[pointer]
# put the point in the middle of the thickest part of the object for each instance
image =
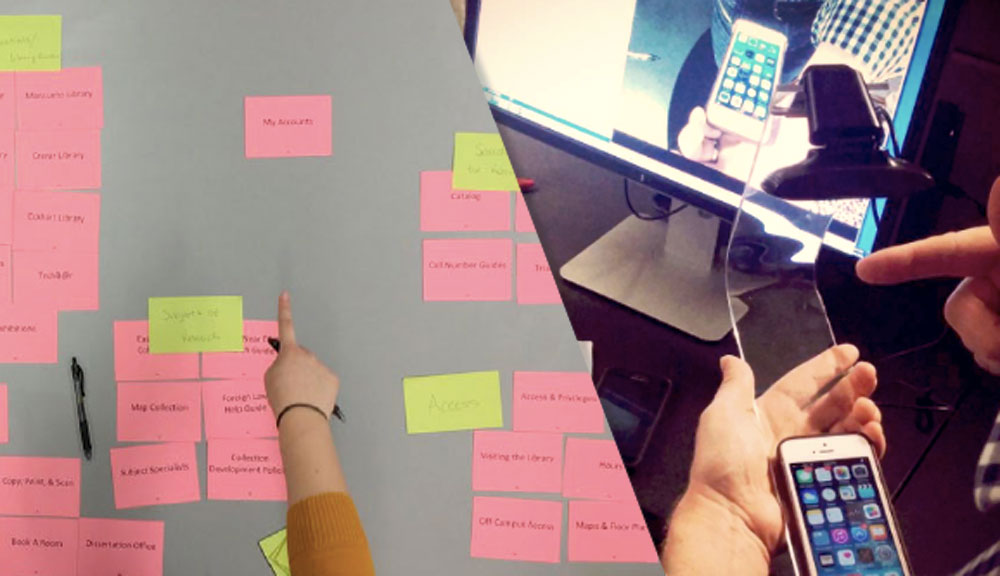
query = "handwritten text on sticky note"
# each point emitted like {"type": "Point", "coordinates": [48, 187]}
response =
{"type": "Point", "coordinates": [481, 163]}
{"type": "Point", "coordinates": [196, 324]}
{"type": "Point", "coordinates": [31, 42]}
{"type": "Point", "coordinates": [453, 402]}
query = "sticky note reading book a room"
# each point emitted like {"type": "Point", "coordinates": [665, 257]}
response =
{"type": "Point", "coordinates": [481, 163]}
{"type": "Point", "coordinates": [196, 324]}
{"type": "Point", "coordinates": [30, 42]}
{"type": "Point", "coordinates": [452, 402]}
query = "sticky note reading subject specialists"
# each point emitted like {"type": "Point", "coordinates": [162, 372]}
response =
{"type": "Point", "coordinates": [237, 409]}
{"type": "Point", "coordinates": [134, 362]}
{"type": "Point", "coordinates": [155, 474]}
{"type": "Point", "coordinates": [594, 470]}
{"type": "Point", "coordinates": [28, 335]}
{"type": "Point", "coordinates": [70, 99]}
{"type": "Point", "coordinates": [286, 126]}
{"type": "Point", "coordinates": [256, 357]}
{"type": "Point", "coordinates": [245, 470]}
{"type": "Point", "coordinates": [38, 546]}
{"type": "Point", "coordinates": [66, 221]}
{"type": "Point", "coordinates": [451, 402]}
{"type": "Point", "coordinates": [39, 486]}
{"type": "Point", "coordinates": [609, 532]}
{"type": "Point", "coordinates": [516, 529]}
{"type": "Point", "coordinates": [196, 324]}
{"type": "Point", "coordinates": [444, 209]}
{"type": "Point", "coordinates": [556, 402]}
{"type": "Point", "coordinates": [504, 461]}
{"type": "Point", "coordinates": [31, 42]}
{"type": "Point", "coordinates": [475, 270]}
{"type": "Point", "coordinates": [120, 547]}
{"type": "Point", "coordinates": [63, 160]}
{"type": "Point", "coordinates": [159, 412]}
{"type": "Point", "coordinates": [481, 163]}
{"type": "Point", "coordinates": [535, 283]}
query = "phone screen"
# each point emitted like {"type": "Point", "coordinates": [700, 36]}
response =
{"type": "Point", "coordinates": [748, 77]}
{"type": "Point", "coordinates": [842, 511]}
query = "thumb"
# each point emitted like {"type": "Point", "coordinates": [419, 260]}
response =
{"type": "Point", "coordinates": [737, 388]}
{"type": "Point", "coordinates": [993, 209]}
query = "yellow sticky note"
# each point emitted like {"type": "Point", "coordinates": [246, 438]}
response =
{"type": "Point", "coordinates": [452, 402]}
{"type": "Point", "coordinates": [481, 163]}
{"type": "Point", "coordinates": [196, 324]}
{"type": "Point", "coordinates": [275, 549]}
{"type": "Point", "coordinates": [30, 43]}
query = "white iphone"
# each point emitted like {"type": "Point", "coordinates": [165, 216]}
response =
{"type": "Point", "coordinates": [740, 100]}
{"type": "Point", "coordinates": [838, 515]}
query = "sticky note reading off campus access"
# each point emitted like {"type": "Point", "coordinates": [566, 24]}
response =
{"type": "Point", "coordinates": [245, 470]}
{"type": "Point", "coordinates": [535, 283]}
{"type": "Point", "coordinates": [481, 163]}
{"type": "Point", "coordinates": [451, 402]}
{"type": "Point", "coordinates": [609, 532]}
{"type": "Point", "coordinates": [134, 362]}
{"type": "Point", "coordinates": [445, 209]}
{"type": "Point", "coordinates": [594, 470]}
{"type": "Point", "coordinates": [60, 280]}
{"type": "Point", "coordinates": [196, 324]}
{"type": "Point", "coordinates": [237, 409]}
{"type": "Point", "coordinates": [286, 126]}
{"type": "Point", "coordinates": [67, 221]}
{"type": "Point", "coordinates": [38, 546]}
{"type": "Point", "coordinates": [28, 335]}
{"type": "Point", "coordinates": [155, 474]}
{"type": "Point", "coordinates": [256, 357]}
{"type": "Point", "coordinates": [556, 402]}
{"type": "Point", "coordinates": [505, 461]}
{"type": "Point", "coordinates": [474, 270]}
{"type": "Point", "coordinates": [39, 486]}
{"type": "Point", "coordinates": [159, 412]}
{"type": "Point", "coordinates": [120, 547]}
{"type": "Point", "coordinates": [59, 160]}
{"type": "Point", "coordinates": [516, 529]}
{"type": "Point", "coordinates": [31, 42]}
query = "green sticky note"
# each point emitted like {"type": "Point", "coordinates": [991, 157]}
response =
{"type": "Point", "coordinates": [481, 163]}
{"type": "Point", "coordinates": [452, 402]}
{"type": "Point", "coordinates": [30, 43]}
{"type": "Point", "coordinates": [275, 549]}
{"type": "Point", "coordinates": [196, 324]}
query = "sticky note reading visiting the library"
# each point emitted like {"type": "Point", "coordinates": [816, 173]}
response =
{"type": "Point", "coordinates": [481, 163]}
{"type": "Point", "coordinates": [30, 43]}
{"type": "Point", "coordinates": [453, 402]}
{"type": "Point", "coordinates": [196, 324]}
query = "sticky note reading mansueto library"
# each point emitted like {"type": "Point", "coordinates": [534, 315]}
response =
{"type": "Point", "coordinates": [196, 324]}
{"type": "Point", "coordinates": [480, 163]}
{"type": "Point", "coordinates": [32, 42]}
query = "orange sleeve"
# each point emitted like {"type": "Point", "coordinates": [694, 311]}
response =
{"type": "Point", "coordinates": [325, 538]}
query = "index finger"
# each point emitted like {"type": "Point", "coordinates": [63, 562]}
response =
{"type": "Point", "coordinates": [286, 328]}
{"type": "Point", "coordinates": [971, 252]}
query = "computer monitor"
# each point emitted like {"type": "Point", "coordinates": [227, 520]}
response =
{"type": "Point", "coordinates": [617, 80]}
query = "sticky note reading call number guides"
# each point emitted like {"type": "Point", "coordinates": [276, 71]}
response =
{"type": "Point", "coordinates": [481, 163]}
{"type": "Point", "coordinates": [196, 324]}
{"type": "Point", "coordinates": [30, 42]}
{"type": "Point", "coordinates": [452, 402]}
{"type": "Point", "coordinates": [515, 529]}
{"type": "Point", "coordinates": [475, 270]}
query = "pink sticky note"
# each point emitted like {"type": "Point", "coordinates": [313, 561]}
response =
{"type": "Point", "coordinates": [155, 474]}
{"type": "Point", "coordinates": [65, 160]}
{"type": "Point", "coordinates": [516, 529]}
{"type": "Point", "coordinates": [5, 276]}
{"type": "Point", "coordinates": [443, 209]}
{"type": "Point", "coordinates": [253, 362]}
{"type": "Point", "coordinates": [535, 283]}
{"type": "Point", "coordinates": [120, 547]}
{"type": "Point", "coordinates": [594, 470]}
{"type": "Point", "coordinates": [68, 221]}
{"type": "Point", "coordinates": [67, 99]}
{"type": "Point", "coordinates": [159, 412]}
{"type": "Point", "coordinates": [7, 160]}
{"type": "Point", "coordinates": [60, 280]}
{"type": "Point", "coordinates": [38, 546]}
{"type": "Point", "coordinates": [6, 213]}
{"type": "Point", "coordinates": [504, 461]}
{"type": "Point", "coordinates": [522, 218]}
{"type": "Point", "coordinates": [28, 335]}
{"type": "Point", "coordinates": [556, 402]}
{"type": "Point", "coordinates": [285, 126]}
{"type": "Point", "coordinates": [237, 409]}
{"type": "Point", "coordinates": [245, 470]}
{"type": "Point", "coordinates": [609, 532]}
{"type": "Point", "coordinates": [8, 117]}
{"type": "Point", "coordinates": [134, 362]}
{"type": "Point", "coordinates": [467, 270]}
{"type": "Point", "coordinates": [39, 486]}
{"type": "Point", "coordinates": [4, 416]}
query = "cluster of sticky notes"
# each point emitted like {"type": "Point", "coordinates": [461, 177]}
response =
{"type": "Point", "coordinates": [275, 550]}
{"type": "Point", "coordinates": [162, 399]}
{"type": "Point", "coordinates": [50, 151]}
{"type": "Point", "coordinates": [288, 126]}
{"type": "Point", "coordinates": [41, 531]}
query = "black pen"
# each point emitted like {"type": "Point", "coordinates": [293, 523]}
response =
{"type": "Point", "coordinates": [81, 412]}
{"type": "Point", "coordinates": [276, 344]}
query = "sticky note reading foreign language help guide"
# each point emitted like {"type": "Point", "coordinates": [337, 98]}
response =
{"type": "Point", "coordinates": [196, 324]}
{"type": "Point", "coordinates": [481, 163]}
{"type": "Point", "coordinates": [30, 42]}
{"type": "Point", "coordinates": [287, 126]}
{"type": "Point", "coordinates": [237, 409]}
{"type": "Point", "coordinates": [451, 402]}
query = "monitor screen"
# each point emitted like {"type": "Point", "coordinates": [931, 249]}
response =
{"type": "Point", "coordinates": [675, 88]}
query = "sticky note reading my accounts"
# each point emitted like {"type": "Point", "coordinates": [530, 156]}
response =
{"type": "Point", "coordinates": [594, 470]}
{"type": "Point", "coordinates": [155, 474]}
{"type": "Point", "coordinates": [196, 324]}
{"type": "Point", "coordinates": [69, 99]}
{"type": "Point", "coordinates": [28, 335]}
{"type": "Point", "coordinates": [134, 362]}
{"type": "Point", "coordinates": [59, 160]}
{"type": "Point", "coordinates": [61, 280]}
{"type": "Point", "coordinates": [445, 209]}
{"type": "Point", "coordinates": [120, 547]}
{"type": "Point", "coordinates": [609, 532]}
{"type": "Point", "coordinates": [159, 412]}
{"type": "Point", "coordinates": [450, 402]}
{"type": "Point", "coordinates": [481, 163]}
{"type": "Point", "coordinates": [504, 461]}
{"type": "Point", "coordinates": [43, 546]}
{"type": "Point", "coordinates": [4, 416]}
{"type": "Point", "coordinates": [475, 270]}
{"type": "Point", "coordinates": [67, 221]}
{"type": "Point", "coordinates": [39, 486]}
{"type": "Point", "coordinates": [256, 357]}
{"type": "Point", "coordinates": [245, 470]}
{"type": "Point", "coordinates": [31, 42]}
{"type": "Point", "coordinates": [275, 549]}
{"type": "Point", "coordinates": [286, 126]}
{"type": "Point", "coordinates": [535, 283]}
{"type": "Point", "coordinates": [522, 218]}
{"type": "Point", "coordinates": [556, 402]}
{"type": "Point", "coordinates": [237, 409]}
{"type": "Point", "coordinates": [516, 529]}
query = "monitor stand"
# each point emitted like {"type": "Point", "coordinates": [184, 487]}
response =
{"type": "Point", "coordinates": [670, 270]}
